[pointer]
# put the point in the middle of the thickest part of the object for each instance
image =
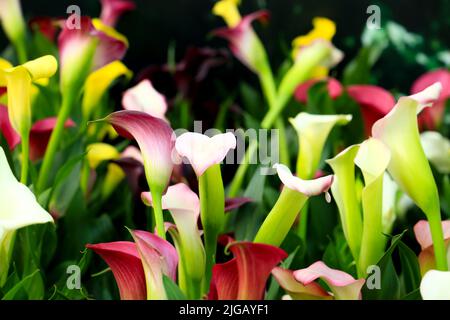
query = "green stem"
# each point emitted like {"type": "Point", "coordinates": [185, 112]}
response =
{"type": "Point", "coordinates": [212, 208]}
{"type": "Point", "coordinates": [21, 50]}
{"type": "Point", "coordinates": [303, 222]}
{"type": "Point", "coordinates": [239, 176]}
{"type": "Point", "coordinates": [25, 158]}
{"type": "Point", "coordinates": [158, 212]}
{"type": "Point", "coordinates": [437, 235]}
{"type": "Point", "coordinates": [281, 218]}
{"type": "Point", "coordinates": [55, 140]}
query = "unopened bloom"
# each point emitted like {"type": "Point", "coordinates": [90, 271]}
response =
{"type": "Point", "coordinates": [13, 23]}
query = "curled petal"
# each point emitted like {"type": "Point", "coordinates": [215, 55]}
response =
{"type": "Point", "coordinates": [295, 289]}
{"type": "Point", "coordinates": [435, 285]}
{"type": "Point", "coordinates": [252, 263]}
{"type": "Point", "coordinates": [144, 97]}
{"type": "Point", "coordinates": [155, 139]}
{"type": "Point", "coordinates": [306, 187]}
{"type": "Point", "coordinates": [375, 102]}
{"type": "Point", "coordinates": [334, 88]}
{"type": "Point", "coordinates": [423, 233]}
{"type": "Point", "coordinates": [123, 259]}
{"type": "Point", "coordinates": [203, 151]}
{"type": "Point", "coordinates": [113, 9]}
{"type": "Point", "coordinates": [343, 285]}
{"type": "Point", "coordinates": [437, 150]}
{"type": "Point", "coordinates": [40, 135]}
{"type": "Point", "coordinates": [6, 129]}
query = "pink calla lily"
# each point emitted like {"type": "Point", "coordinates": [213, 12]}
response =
{"type": "Point", "coordinates": [244, 43]}
{"type": "Point", "coordinates": [423, 237]}
{"type": "Point", "coordinates": [144, 97]}
{"type": "Point", "coordinates": [6, 129]}
{"type": "Point", "coordinates": [113, 9]}
{"type": "Point", "coordinates": [155, 139]}
{"type": "Point", "coordinates": [124, 260]}
{"type": "Point", "coordinates": [334, 88]}
{"type": "Point", "coordinates": [203, 151]}
{"type": "Point", "coordinates": [245, 276]}
{"type": "Point", "coordinates": [342, 285]}
{"type": "Point", "coordinates": [431, 118]}
{"type": "Point", "coordinates": [375, 102]}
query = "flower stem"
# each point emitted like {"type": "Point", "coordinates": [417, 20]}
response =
{"type": "Point", "coordinates": [55, 140]}
{"type": "Point", "coordinates": [303, 222]}
{"type": "Point", "coordinates": [158, 212]}
{"type": "Point", "coordinates": [437, 235]}
{"type": "Point", "coordinates": [25, 158]}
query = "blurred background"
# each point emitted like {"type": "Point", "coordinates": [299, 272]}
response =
{"type": "Point", "coordinates": [158, 25]}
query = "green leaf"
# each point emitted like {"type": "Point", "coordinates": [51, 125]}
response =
{"type": "Point", "coordinates": [274, 287]}
{"type": "Point", "coordinates": [20, 287]}
{"type": "Point", "coordinates": [172, 290]}
{"type": "Point", "coordinates": [410, 275]}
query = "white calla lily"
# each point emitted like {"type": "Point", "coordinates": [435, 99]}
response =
{"type": "Point", "coordinates": [435, 285]}
{"type": "Point", "coordinates": [437, 150]}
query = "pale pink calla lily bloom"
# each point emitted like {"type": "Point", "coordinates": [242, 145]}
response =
{"type": "Point", "coordinates": [144, 97]}
{"type": "Point", "coordinates": [113, 9]}
{"type": "Point", "coordinates": [155, 139]}
{"type": "Point", "coordinates": [307, 187]}
{"type": "Point", "coordinates": [342, 285]}
{"type": "Point", "coordinates": [203, 151]}
{"type": "Point", "coordinates": [432, 117]}
{"type": "Point", "coordinates": [184, 205]}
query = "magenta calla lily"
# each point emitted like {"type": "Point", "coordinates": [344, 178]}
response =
{"type": "Point", "coordinates": [113, 9]}
{"type": "Point", "coordinates": [144, 97]}
{"type": "Point", "coordinates": [375, 102]}
{"type": "Point", "coordinates": [342, 285]}
{"type": "Point", "coordinates": [245, 276]}
{"type": "Point", "coordinates": [6, 129]}
{"type": "Point", "coordinates": [124, 260]}
{"type": "Point", "coordinates": [431, 118]}
{"type": "Point", "coordinates": [333, 86]}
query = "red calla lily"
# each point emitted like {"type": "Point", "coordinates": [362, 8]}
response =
{"type": "Point", "coordinates": [113, 9]}
{"type": "Point", "coordinates": [124, 260]}
{"type": "Point", "coordinates": [375, 102]}
{"type": "Point", "coordinates": [245, 276]}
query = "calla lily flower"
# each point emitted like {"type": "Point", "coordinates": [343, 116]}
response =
{"type": "Point", "coordinates": [205, 155]}
{"type": "Point", "coordinates": [312, 131]}
{"type": "Point", "coordinates": [13, 23]}
{"type": "Point", "coordinates": [437, 150]}
{"type": "Point", "coordinates": [334, 88]}
{"type": "Point", "coordinates": [435, 285]}
{"type": "Point", "coordinates": [91, 47]}
{"type": "Point", "coordinates": [342, 285]}
{"type": "Point", "coordinates": [245, 276]}
{"type": "Point", "coordinates": [6, 129]}
{"type": "Point", "coordinates": [144, 97]}
{"type": "Point", "coordinates": [99, 152]}
{"type": "Point", "coordinates": [45, 25]}
{"type": "Point", "coordinates": [295, 289]}
{"type": "Point", "coordinates": [158, 257]}
{"type": "Point", "coordinates": [113, 9]}
{"type": "Point", "coordinates": [422, 232]}
{"type": "Point", "coordinates": [398, 130]}
{"type": "Point", "coordinates": [431, 118]}
{"type": "Point", "coordinates": [139, 267]}
{"type": "Point", "coordinates": [372, 158]}
{"type": "Point", "coordinates": [156, 141]}
{"type": "Point", "coordinates": [291, 200]}
{"type": "Point", "coordinates": [98, 82]}
{"type": "Point", "coordinates": [324, 29]}
{"type": "Point", "coordinates": [244, 43]}
{"type": "Point", "coordinates": [375, 102]}
{"type": "Point", "coordinates": [19, 209]}
{"type": "Point", "coordinates": [184, 206]}
{"type": "Point", "coordinates": [124, 260]}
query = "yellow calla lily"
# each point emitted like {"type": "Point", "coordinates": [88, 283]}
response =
{"type": "Point", "coordinates": [4, 64]}
{"type": "Point", "coordinates": [114, 175]}
{"type": "Point", "coordinates": [109, 31]}
{"type": "Point", "coordinates": [98, 82]}
{"type": "Point", "coordinates": [227, 9]}
{"type": "Point", "coordinates": [99, 152]}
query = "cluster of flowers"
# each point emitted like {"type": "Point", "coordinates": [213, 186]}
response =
{"type": "Point", "coordinates": [395, 156]}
